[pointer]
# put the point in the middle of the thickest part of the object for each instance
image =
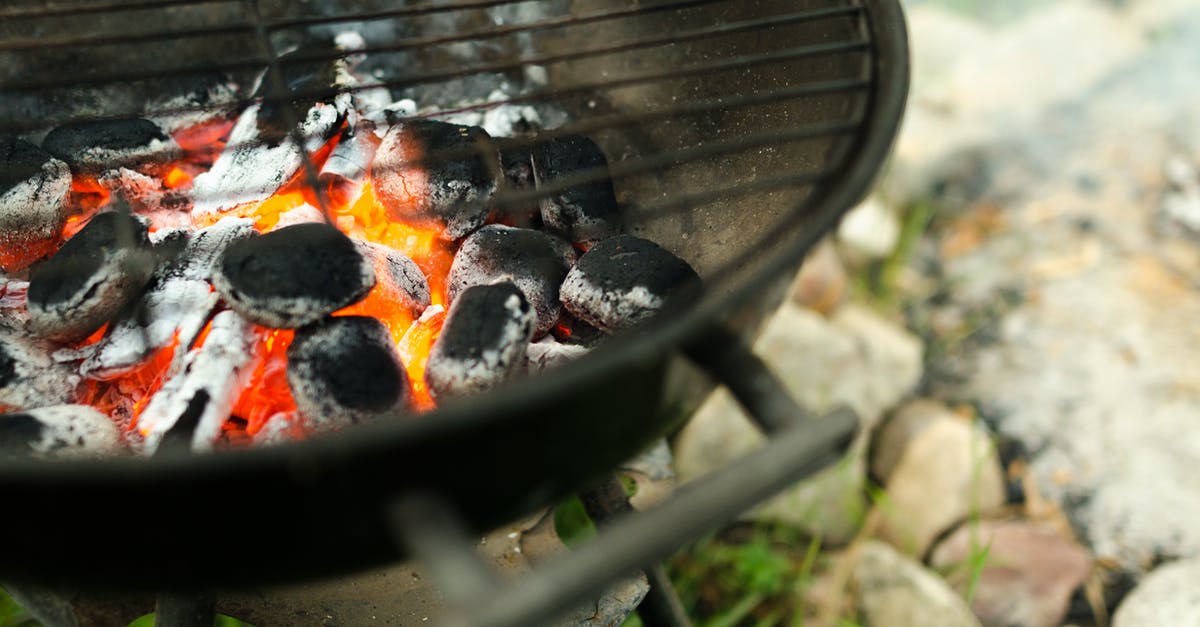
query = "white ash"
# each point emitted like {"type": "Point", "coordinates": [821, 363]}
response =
{"type": "Point", "coordinates": [90, 279]}
{"type": "Point", "coordinates": [29, 377]}
{"type": "Point", "coordinates": [196, 399]}
{"type": "Point", "coordinates": [280, 428]}
{"type": "Point", "coordinates": [346, 169]}
{"type": "Point", "coordinates": [345, 370]}
{"type": "Point", "coordinates": [293, 276]}
{"type": "Point", "coordinates": [59, 432]}
{"type": "Point", "coordinates": [548, 353]}
{"type": "Point", "coordinates": [178, 112]}
{"type": "Point", "coordinates": [147, 196]}
{"type": "Point", "coordinates": [536, 262]}
{"type": "Point", "coordinates": [500, 120]}
{"type": "Point", "coordinates": [13, 293]}
{"type": "Point", "coordinates": [483, 341]}
{"type": "Point", "coordinates": [398, 276]}
{"type": "Point", "coordinates": [251, 171]}
{"type": "Point", "coordinates": [304, 214]}
{"type": "Point", "coordinates": [33, 209]}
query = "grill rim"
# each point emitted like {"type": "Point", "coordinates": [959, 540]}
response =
{"type": "Point", "coordinates": [666, 337]}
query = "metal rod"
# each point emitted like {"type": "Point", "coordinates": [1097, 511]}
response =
{"type": "Point", "coordinates": [633, 542]}
{"type": "Point", "coordinates": [93, 7]}
{"type": "Point", "coordinates": [661, 607]}
{"type": "Point", "coordinates": [184, 610]}
{"type": "Point", "coordinates": [430, 530]}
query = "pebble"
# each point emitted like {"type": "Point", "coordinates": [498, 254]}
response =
{"type": "Point", "coordinates": [1167, 596]}
{"type": "Point", "coordinates": [869, 231]}
{"type": "Point", "coordinates": [1029, 572]}
{"type": "Point", "coordinates": [937, 469]}
{"type": "Point", "coordinates": [896, 591]}
{"type": "Point", "coordinates": [821, 284]}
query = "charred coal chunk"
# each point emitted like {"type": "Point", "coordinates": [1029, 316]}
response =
{"type": "Point", "coordinates": [535, 262]}
{"type": "Point", "coordinates": [293, 276]}
{"type": "Point", "coordinates": [33, 193]}
{"type": "Point", "coordinates": [90, 279]}
{"type": "Point", "coordinates": [585, 213]}
{"type": "Point", "coordinates": [483, 342]}
{"type": "Point", "coordinates": [572, 330]}
{"type": "Point", "coordinates": [435, 172]}
{"type": "Point", "coordinates": [29, 377]}
{"type": "Point", "coordinates": [95, 146]}
{"type": "Point", "coordinates": [62, 431]}
{"type": "Point", "coordinates": [399, 276]}
{"type": "Point", "coordinates": [344, 370]}
{"type": "Point", "coordinates": [624, 281]}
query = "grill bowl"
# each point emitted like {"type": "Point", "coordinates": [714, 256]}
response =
{"type": "Point", "coordinates": [739, 131]}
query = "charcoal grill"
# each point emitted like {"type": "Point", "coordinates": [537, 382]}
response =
{"type": "Point", "coordinates": [739, 132]}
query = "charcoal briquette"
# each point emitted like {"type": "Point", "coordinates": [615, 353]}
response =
{"type": "Point", "coordinates": [584, 213]}
{"type": "Point", "coordinates": [344, 370]}
{"type": "Point", "coordinates": [91, 278]}
{"type": "Point", "coordinates": [534, 261]}
{"type": "Point", "coordinates": [95, 146]}
{"type": "Point", "coordinates": [483, 341]}
{"type": "Point", "coordinates": [435, 172]}
{"type": "Point", "coordinates": [398, 275]}
{"type": "Point", "coordinates": [61, 431]}
{"type": "Point", "coordinates": [293, 276]}
{"type": "Point", "coordinates": [624, 281]}
{"type": "Point", "coordinates": [33, 193]}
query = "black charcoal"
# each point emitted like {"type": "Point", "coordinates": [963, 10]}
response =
{"type": "Point", "coordinates": [95, 275]}
{"type": "Point", "coordinates": [585, 213]}
{"type": "Point", "coordinates": [96, 146]}
{"type": "Point", "coordinates": [624, 281]}
{"type": "Point", "coordinates": [419, 176]}
{"type": "Point", "coordinates": [572, 330]}
{"type": "Point", "coordinates": [398, 276]}
{"type": "Point", "coordinates": [548, 353]}
{"type": "Point", "coordinates": [61, 431]}
{"type": "Point", "coordinates": [535, 262]}
{"type": "Point", "coordinates": [345, 370]}
{"type": "Point", "coordinates": [29, 377]}
{"type": "Point", "coordinates": [483, 341]}
{"type": "Point", "coordinates": [175, 306]}
{"type": "Point", "coordinates": [293, 276]}
{"type": "Point", "coordinates": [195, 400]}
{"type": "Point", "coordinates": [250, 169]}
{"type": "Point", "coordinates": [33, 193]}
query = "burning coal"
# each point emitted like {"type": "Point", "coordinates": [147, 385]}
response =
{"type": "Point", "coordinates": [262, 276]}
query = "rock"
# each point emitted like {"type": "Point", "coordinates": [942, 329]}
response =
{"type": "Point", "coordinates": [869, 231]}
{"type": "Point", "coordinates": [937, 469]}
{"type": "Point", "coordinates": [856, 359]}
{"type": "Point", "coordinates": [821, 284]}
{"type": "Point", "coordinates": [895, 591]}
{"type": "Point", "coordinates": [1167, 596]}
{"type": "Point", "coordinates": [1029, 571]}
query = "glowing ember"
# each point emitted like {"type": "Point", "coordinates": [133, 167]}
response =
{"type": "Point", "coordinates": [414, 348]}
{"type": "Point", "coordinates": [267, 393]}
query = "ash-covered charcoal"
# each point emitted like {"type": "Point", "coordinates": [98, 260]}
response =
{"type": "Point", "coordinates": [29, 377]}
{"type": "Point", "coordinates": [303, 214]}
{"type": "Point", "coordinates": [584, 213]}
{"type": "Point", "coordinates": [95, 146]}
{"type": "Point", "coordinates": [190, 407]}
{"type": "Point", "coordinates": [483, 341]}
{"type": "Point", "coordinates": [175, 306]}
{"type": "Point", "coordinates": [251, 169]}
{"type": "Point", "coordinates": [399, 277]}
{"type": "Point", "coordinates": [344, 370]}
{"type": "Point", "coordinates": [624, 281]}
{"type": "Point", "coordinates": [572, 330]}
{"type": "Point", "coordinates": [146, 195]}
{"type": "Point", "coordinates": [536, 262]}
{"type": "Point", "coordinates": [33, 193]}
{"type": "Point", "coordinates": [419, 176]}
{"type": "Point", "coordinates": [293, 276]}
{"type": "Point", "coordinates": [345, 171]}
{"type": "Point", "coordinates": [62, 432]}
{"type": "Point", "coordinates": [90, 279]}
{"type": "Point", "coordinates": [548, 353]}
{"type": "Point", "coordinates": [313, 74]}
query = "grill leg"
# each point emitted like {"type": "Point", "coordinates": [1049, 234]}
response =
{"type": "Point", "coordinates": [184, 610]}
{"type": "Point", "coordinates": [661, 607]}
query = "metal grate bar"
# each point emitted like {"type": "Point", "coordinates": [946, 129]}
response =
{"type": "Point", "coordinates": [108, 7]}
{"type": "Point", "coordinates": [254, 64]}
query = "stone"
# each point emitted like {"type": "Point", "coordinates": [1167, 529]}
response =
{"type": "Point", "coordinates": [1029, 572]}
{"type": "Point", "coordinates": [856, 359]}
{"type": "Point", "coordinates": [821, 283]}
{"type": "Point", "coordinates": [937, 469]}
{"type": "Point", "coordinates": [896, 591]}
{"type": "Point", "coordinates": [1167, 596]}
{"type": "Point", "coordinates": [869, 231]}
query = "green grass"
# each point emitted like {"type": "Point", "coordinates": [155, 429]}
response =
{"type": "Point", "coordinates": [12, 615]}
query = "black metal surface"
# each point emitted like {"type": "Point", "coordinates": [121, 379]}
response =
{"type": "Point", "coordinates": [318, 508]}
